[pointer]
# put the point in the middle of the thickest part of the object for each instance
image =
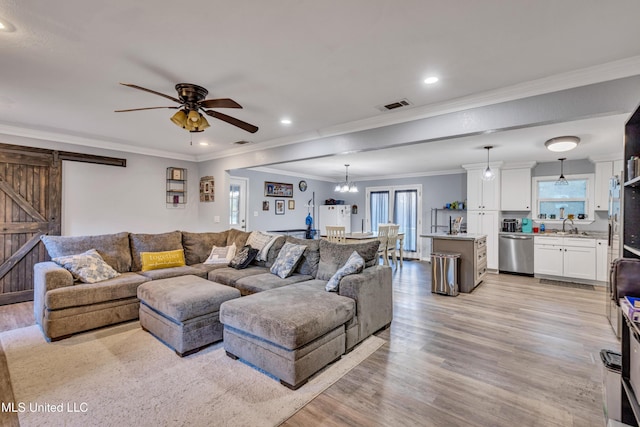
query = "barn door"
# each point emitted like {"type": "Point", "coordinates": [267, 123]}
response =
{"type": "Point", "coordinates": [30, 206]}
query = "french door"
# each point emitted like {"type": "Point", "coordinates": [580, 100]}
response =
{"type": "Point", "coordinates": [400, 205]}
{"type": "Point", "coordinates": [238, 203]}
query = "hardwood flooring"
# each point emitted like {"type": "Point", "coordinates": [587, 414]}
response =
{"type": "Point", "coordinates": [513, 352]}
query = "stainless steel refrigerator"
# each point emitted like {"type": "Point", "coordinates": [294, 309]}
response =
{"type": "Point", "coordinates": [614, 249]}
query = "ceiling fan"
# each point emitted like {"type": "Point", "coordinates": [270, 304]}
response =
{"type": "Point", "coordinates": [190, 102]}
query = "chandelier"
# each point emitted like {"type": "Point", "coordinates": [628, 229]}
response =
{"type": "Point", "coordinates": [346, 186]}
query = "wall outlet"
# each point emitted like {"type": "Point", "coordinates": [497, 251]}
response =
{"type": "Point", "coordinates": [216, 219]}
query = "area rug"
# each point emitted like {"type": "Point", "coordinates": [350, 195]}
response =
{"type": "Point", "coordinates": [123, 376]}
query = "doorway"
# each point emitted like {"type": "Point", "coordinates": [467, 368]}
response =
{"type": "Point", "coordinates": [400, 205]}
{"type": "Point", "coordinates": [238, 197]}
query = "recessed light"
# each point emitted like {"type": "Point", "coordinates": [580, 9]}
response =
{"type": "Point", "coordinates": [5, 26]}
{"type": "Point", "coordinates": [431, 80]}
{"type": "Point", "coordinates": [204, 143]}
{"type": "Point", "coordinates": [285, 121]}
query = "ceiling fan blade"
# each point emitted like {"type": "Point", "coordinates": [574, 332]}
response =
{"type": "Point", "coordinates": [147, 108]}
{"type": "Point", "coordinates": [152, 91]}
{"type": "Point", "coordinates": [233, 121]}
{"type": "Point", "coordinates": [220, 103]}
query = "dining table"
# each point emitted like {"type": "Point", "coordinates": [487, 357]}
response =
{"type": "Point", "coordinates": [369, 236]}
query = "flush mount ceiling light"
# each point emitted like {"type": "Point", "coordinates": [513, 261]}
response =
{"type": "Point", "coordinates": [562, 180]}
{"type": "Point", "coordinates": [562, 143]}
{"type": "Point", "coordinates": [431, 80]}
{"type": "Point", "coordinates": [488, 174]}
{"type": "Point", "coordinates": [346, 186]}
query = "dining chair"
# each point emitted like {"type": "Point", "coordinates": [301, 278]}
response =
{"type": "Point", "coordinates": [336, 234]}
{"type": "Point", "coordinates": [392, 242]}
{"type": "Point", "coordinates": [383, 236]}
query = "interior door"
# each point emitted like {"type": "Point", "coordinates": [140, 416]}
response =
{"type": "Point", "coordinates": [30, 206]}
{"type": "Point", "coordinates": [238, 203]}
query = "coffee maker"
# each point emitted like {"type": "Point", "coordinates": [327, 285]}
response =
{"type": "Point", "coordinates": [510, 225]}
{"type": "Point", "coordinates": [527, 225]}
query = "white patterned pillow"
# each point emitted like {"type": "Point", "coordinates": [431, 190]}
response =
{"type": "Point", "coordinates": [262, 242]}
{"type": "Point", "coordinates": [287, 259]}
{"type": "Point", "coordinates": [354, 265]}
{"type": "Point", "coordinates": [221, 254]}
{"type": "Point", "coordinates": [88, 267]}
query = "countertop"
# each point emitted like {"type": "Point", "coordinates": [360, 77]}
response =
{"type": "Point", "coordinates": [554, 233]}
{"type": "Point", "coordinates": [461, 236]}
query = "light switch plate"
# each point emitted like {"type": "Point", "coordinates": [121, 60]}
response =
{"type": "Point", "coordinates": [216, 219]}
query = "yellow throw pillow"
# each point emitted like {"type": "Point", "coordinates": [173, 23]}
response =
{"type": "Point", "coordinates": [167, 259]}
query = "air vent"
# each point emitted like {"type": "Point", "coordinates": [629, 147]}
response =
{"type": "Point", "coordinates": [242, 142]}
{"type": "Point", "coordinates": [404, 102]}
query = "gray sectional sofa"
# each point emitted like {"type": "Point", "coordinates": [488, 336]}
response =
{"type": "Point", "coordinates": [63, 307]}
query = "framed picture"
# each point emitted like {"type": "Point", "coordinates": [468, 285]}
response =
{"type": "Point", "coordinates": [278, 189]}
{"type": "Point", "coordinates": [207, 190]}
{"type": "Point", "coordinates": [279, 207]}
{"type": "Point", "coordinates": [292, 205]}
{"type": "Point", "coordinates": [265, 205]}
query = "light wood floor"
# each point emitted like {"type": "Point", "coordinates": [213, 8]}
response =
{"type": "Point", "coordinates": [513, 352]}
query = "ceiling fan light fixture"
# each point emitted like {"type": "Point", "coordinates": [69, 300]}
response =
{"type": "Point", "coordinates": [194, 116]}
{"type": "Point", "coordinates": [179, 118]}
{"type": "Point", "coordinates": [562, 143]}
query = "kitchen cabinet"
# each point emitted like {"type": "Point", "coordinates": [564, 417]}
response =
{"type": "Point", "coordinates": [486, 222]}
{"type": "Point", "coordinates": [473, 256]}
{"type": "Point", "coordinates": [569, 257]}
{"type": "Point", "coordinates": [483, 194]}
{"type": "Point", "coordinates": [604, 172]}
{"type": "Point", "coordinates": [602, 264]}
{"type": "Point", "coordinates": [515, 189]}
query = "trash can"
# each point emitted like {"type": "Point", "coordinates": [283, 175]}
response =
{"type": "Point", "coordinates": [444, 273]}
{"type": "Point", "coordinates": [612, 363]}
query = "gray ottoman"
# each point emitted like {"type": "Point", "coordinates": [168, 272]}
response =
{"type": "Point", "coordinates": [290, 332]}
{"type": "Point", "coordinates": [182, 311]}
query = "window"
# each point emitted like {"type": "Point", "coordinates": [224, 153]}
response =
{"type": "Point", "coordinates": [234, 204]}
{"type": "Point", "coordinates": [572, 199]}
{"type": "Point", "coordinates": [379, 209]}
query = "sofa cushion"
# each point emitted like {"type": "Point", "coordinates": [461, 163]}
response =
{"type": "Point", "coordinates": [243, 258]}
{"type": "Point", "coordinates": [164, 273]}
{"type": "Point", "coordinates": [121, 287]}
{"type": "Point", "coordinates": [238, 237]}
{"type": "Point", "coordinates": [310, 258]}
{"type": "Point", "coordinates": [197, 246]}
{"type": "Point", "coordinates": [113, 248]}
{"type": "Point", "coordinates": [152, 243]}
{"type": "Point", "coordinates": [185, 297]}
{"type": "Point", "coordinates": [354, 265]}
{"type": "Point", "coordinates": [262, 242]}
{"type": "Point", "coordinates": [88, 267]}
{"type": "Point", "coordinates": [335, 255]}
{"type": "Point", "coordinates": [287, 260]}
{"type": "Point", "coordinates": [263, 282]}
{"type": "Point", "coordinates": [158, 260]}
{"type": "Point", "coordinates": [228, 276]}
{"type": "Point", "coordinates": [290, 317]}
{"type": "Point", "coordinates": [221, 254]}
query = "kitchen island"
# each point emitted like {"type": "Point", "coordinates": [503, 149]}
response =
{"type": "Point", "coordinates": [473, 255]}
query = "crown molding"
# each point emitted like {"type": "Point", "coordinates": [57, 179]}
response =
{"type": "Point", "coordinates": [519, 165]}
{"type": "Point", "coordinates": [412, 175]}
{"type": "Point", "coordinates": [605, 158]}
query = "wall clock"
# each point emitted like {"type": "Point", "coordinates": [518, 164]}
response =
{"type": "Point", "coordinates": [302, 185]}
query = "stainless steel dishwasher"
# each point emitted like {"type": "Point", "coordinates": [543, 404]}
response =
{"type": "Point", "coordinates": [516, 254]}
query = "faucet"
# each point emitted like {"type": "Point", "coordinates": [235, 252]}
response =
{"type": "Point", "coordinates": [573, 230]}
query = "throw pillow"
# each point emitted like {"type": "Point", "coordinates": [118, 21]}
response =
{"type": "Point", "coordinates": [243, 258]}
{"type": "Point", "coordinates": [354, 265]}
{"type": "Point", "coordinates": [287, 259]}
{"type": "Point", "coordinates": [221, 254]}
{"type": "Point", "coordinates": [158, 260]}
{"type": "Point", "coordinates": [88, 267]}
{"type": "Point", "coordinates": [262, 242]}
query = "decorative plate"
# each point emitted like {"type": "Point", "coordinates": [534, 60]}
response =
{"type": "Point", "coordinates": [302, 185]}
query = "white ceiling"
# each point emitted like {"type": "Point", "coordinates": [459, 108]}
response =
{"type": "Point", "coordinates": [324, 64]}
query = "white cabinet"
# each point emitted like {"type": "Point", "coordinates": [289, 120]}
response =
{"type": "Point", "coordinates": [483, 194]}
{"type": "Point", "coordinates": [602, 264]}
{"type": "Point", "coordinates": [515, 194]}
{"type": "Point", "coordinates": [569, 257]}
{"type": "Point", "coordinates": [486, 222]}
{"type": "Point", "coordinates": [604, 172]}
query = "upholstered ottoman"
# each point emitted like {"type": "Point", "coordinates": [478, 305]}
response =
{"type": "Point", "coordinates": [290, 332]}
{"type": "Point", "coordinates": [183, 311]}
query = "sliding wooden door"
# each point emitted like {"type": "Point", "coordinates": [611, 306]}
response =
{"type": "Point", "coordinates": [30, 206]}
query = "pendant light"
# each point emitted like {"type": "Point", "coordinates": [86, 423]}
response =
{"type": "Point", "coordinates": [346, 186]}
{"type": "Point", "coordinates": [562, 180]}
{"type": "Point", "coordinates": [488, 174]}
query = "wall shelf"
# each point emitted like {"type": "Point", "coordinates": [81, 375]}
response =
{"type": "Point", "coordinates": [176, 191]}
{"type": "Point", "coordinates": [435, 226]}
